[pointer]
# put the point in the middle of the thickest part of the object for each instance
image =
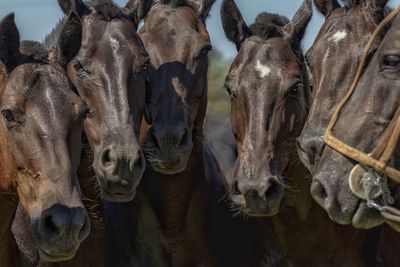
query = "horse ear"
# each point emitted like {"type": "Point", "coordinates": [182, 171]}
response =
{"type": "Point", "coordinates": [9, 41]}
{"type": "Point", "coordinates": [138, 9]}
{"type": "Point", "coordinates": [377, 6]}
{"type": "Point", "coordinates": [202, 7]}
{"type": "Point", "coordinates": [69, 42]}
{"type": "Point", "coordinates": [295, 29]}
{"type": "Point", "coordinates": [235, 27]}
{"type": "Point", "coordinates": [77, 6]}
{"type": "Point", "coordinates": [326, 7]}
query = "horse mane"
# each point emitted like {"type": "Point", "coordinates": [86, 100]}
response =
{"type": "Point", "coordinates": [35, 50]}
{"type": "Point", "coordinates": [107, 8]}
{"type": "Point", "coordinates": [267, 25]}
{"type": "Point", "coordinates": [51, 40]}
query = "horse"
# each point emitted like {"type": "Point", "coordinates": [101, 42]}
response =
{"type": "Point", "coordinates": [40, 140]}
{"type": "Point", "coordinates": [178, 217]}
{"type": "Point", "coordinates": [115, 97]}
{"type": "Point", "coordinates": [270, 101]}
{"type": "Point", "coordinates": [108, 70]}
{"type": "Point", "coordinates": [374, 103]}
{"type": "Point", "coordinates": [332, 60]}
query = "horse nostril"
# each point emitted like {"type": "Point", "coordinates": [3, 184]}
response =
{"type": "Point", "coordinates": [274, 190]}
{"type": "Point", "coordinates": [53, 222]}
{"type": "Point", "coordinates": [106, 158]}
{"type": "Point", "coordinates": [184, 138]}
{"type": "Point", "coordinates": [50, 227]}
{"type": "Point", "coordinates": [319, 193]}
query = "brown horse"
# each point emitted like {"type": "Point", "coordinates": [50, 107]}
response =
{"type": "Point", "coordinates": [108, 70]}
{"type": "Point", "coordinates": [270, 97]}
{"type": "Point", "coordinates": [40, 133]}
{"type": "Point", "coordinates": [119, 95]}
{"type": "Point", "coordinates": [333, 59]}
{"type": "Point", "coordinates": [177, 219]}
{"type": "Point", "coordinates": [374, 103]}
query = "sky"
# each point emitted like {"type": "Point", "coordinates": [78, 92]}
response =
{"type": "Point", "coordinates": [36, 18]}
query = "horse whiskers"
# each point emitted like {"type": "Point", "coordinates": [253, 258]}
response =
{"type": "Point", "coordinates": [150, 156]}
{"type": "Point", "coordinates": [86, 199]}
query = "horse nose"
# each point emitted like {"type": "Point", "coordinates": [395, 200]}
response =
{"type": "Point", "coordinates": [122, 171]}
{"type": "Point", "coordinates": [320, 194]}
{"type": "Point", "coordinates": [263, 197]}
{"type": "Point", "coordinates": [270, 188]}
{"type": "Point", "coordinates": [126, 166]}
{"type": "Point", "coordinates": [60, 222]}
{"type": "Point", "coordinates": [274, 190]}
{"type": "Point", "coordinates": [108, 160]}
{"type": "Point", "coordinates": [309, 150]}
{"type": "Point", "coordinates": [325, 197]}
{"type": "Point", "coordinates": [176, 138]}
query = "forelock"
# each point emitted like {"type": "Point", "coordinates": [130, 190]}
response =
{"type": "Point", "coordinates": [268, 25]}
{"type": "Point", "coordinates": [107, 8]}
{"type": "Point", "coordinates": [174, 3]}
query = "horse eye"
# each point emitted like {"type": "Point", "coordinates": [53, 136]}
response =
{"type": "Point", "coordinates": [391, 61]}
{"type": "Point", "coordinates": [230, 92]}
{"type": "Point", "coordinates": [295, 90]}
{"type": "Point", "coordinates": [78, 66]}
{"type": "Point", "coordinates": [8, 115]}
{"type": "Point", "coordinates": [206, 50]}
{"type": "Point", "coordinates": [86, 112]}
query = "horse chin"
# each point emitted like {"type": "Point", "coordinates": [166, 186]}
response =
{"type": "Point", "coordinates": [261, 209]}
{"type": "Point", "coordinates": [50, 257]}
{"type": "Point", "coordinates": [169, 171]}
{"type": "Point", "coordinates": [119, 198]}
{"type": "Point", "coordinates": [366, 218]}
{"type": "Point", "coordinates": [262, 213]}
{"type": "Point", "coordinates": [171, 168]}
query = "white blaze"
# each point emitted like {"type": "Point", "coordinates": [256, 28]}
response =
{"type": "Point", "coordinates": [340, 35]}
{"type": "Point", "coordinates": [263, 70]}
{"type": "Point", "coordinates": [114, 44]}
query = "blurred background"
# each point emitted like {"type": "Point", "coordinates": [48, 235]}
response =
{"type": "Point", "coordinates": [36, 18]}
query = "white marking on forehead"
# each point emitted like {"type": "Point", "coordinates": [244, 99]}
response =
{"type": "Point", "coordinates": [114, 44]}
{"type": "Point", "coordinates": [340, 35]}
{"type": "Point", "coordinates": [263, 70]}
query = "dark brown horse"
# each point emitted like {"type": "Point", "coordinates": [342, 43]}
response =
{"type": "Point", "coordinates": [270, 97]}
{"type": "Point", "coordinates": [333, 59]}
{"type": "Point", "coordinates": [40, 139]}
{"type": "Point", "coordinates": [374, 103]}
{"type": "Point", "coordinates": [108, 70]}
{"type": "Point", "coordinates": [177, 219]}
{"type": "Point", "coordinates": [267, 118]}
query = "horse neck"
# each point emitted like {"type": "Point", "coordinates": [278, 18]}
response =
{"type": "Point", "coordinates": [172, 197]}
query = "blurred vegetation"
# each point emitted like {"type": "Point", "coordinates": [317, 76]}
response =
{"type": "Point", "coordinates": [218, 99]}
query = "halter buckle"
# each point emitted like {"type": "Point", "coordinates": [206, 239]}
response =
{"type": "Point", "coordinates": [369, 185]}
